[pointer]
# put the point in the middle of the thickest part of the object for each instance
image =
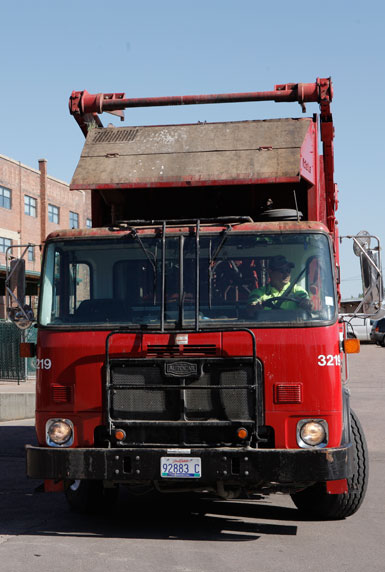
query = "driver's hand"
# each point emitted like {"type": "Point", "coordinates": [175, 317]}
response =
{"type": "Point", "coordinates": [305, 304]}
{"type": "Point", "coordinates": [253, 306]}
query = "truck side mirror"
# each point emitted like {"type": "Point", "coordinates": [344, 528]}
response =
{"type": "Point", "coordinates": [372, 286]}
{"type": "Point", "coordinates": [17, 310]}
{"type": "Point", "coordinates": [371, 283]}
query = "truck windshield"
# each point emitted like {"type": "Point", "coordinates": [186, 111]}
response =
{"type": "Point", "coordinates": [223, 279]}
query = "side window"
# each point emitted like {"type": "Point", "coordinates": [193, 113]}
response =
{"type": "Point", "coordinates": [30, 206]}
{"type": "Point", "coordinates": [80, 284]}
{"type": "Point", "coordinates": [314, 283]}
{"type": "Point", "coordinates": [57, 286]}
{"type": "Point", "coordinates": [320, 288]}
{"type": "Point", "coordinates": [5, 198]}
{"type": "Point", "coordinates": [74, 220]}
{"type": "Point", "coordinates": [4, 243]}
{"type": "Point", "coordinates": [53, 214]}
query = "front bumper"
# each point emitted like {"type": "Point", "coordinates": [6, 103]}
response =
{"type": "Point", "coordinates": [242, 466]}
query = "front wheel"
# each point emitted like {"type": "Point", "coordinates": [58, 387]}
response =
{"type": "Point", "coordinates": [90, 497]}
{"type": "Point", "coordinates": [316, 502]}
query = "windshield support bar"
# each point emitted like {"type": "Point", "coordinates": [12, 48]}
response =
{"type": "Point", "coordinates": [163, 294]}
{"type": "Point", "coordinates": [197, 281]}
{"type": "Point", "coordinates": [181, 282]}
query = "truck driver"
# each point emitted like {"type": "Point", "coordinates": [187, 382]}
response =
{"type": "Point", "coordinates": [279, 286]}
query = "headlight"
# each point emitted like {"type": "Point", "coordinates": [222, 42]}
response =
{"type": "Point", "coordinates": [312, 433]}
{"type": "Point", "coordinates": [59, 432]}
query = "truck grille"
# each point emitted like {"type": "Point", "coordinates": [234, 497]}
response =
{"type": "Point", "coordinates": [220, 392]}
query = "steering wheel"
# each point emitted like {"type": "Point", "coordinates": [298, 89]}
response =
{"type": "Point", "coordinates": [278, 300]}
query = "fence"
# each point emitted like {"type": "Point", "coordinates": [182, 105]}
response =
{"type": "Point", "coordinates": [13, 367]}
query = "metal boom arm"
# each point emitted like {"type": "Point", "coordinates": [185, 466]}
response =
{"type": "Point", "coordinates": [82, 103]}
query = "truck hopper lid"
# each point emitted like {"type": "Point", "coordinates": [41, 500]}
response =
{"type": "Point", "coordinates": [261, 151]}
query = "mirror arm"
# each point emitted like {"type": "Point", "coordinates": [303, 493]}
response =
{"type": "Point", "coordinates": [15, 300]}
{"type": "Point", "coordinates": [19, 303]}
{"type": "Point", "coordinates": [366, 255]}
{"type": "Point", "coordinates": [370, 261]}
{"type": "Point", "coordinates": [8, 257]}
{"type": "Point", "coordinates": [13, 295]}
{"type": "Point", "coordinates": [356, 311]}
{"type": "Point", "coordinates": [362, 249]}
{"type": "Point", "coordinates": [13, 270]}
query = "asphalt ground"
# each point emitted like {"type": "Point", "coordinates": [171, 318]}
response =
{"type": "Point", "coordinates": [39, 533]}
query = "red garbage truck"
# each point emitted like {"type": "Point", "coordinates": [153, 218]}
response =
{"type": "Point", "coordinates": [190, 341]}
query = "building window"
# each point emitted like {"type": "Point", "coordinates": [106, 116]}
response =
{"type": "Point", "coordinates": [5, 197]}
{"type": "Point", "coordinates": [31, 253]}
{"type": "Point", "coordinates": [30, 206]}
{"type": "Point", "coordinates": [74, 220]}
{"type": "Point", "coordinates": [53, 214]}
{"type": "Point", "coordinates": [88, 223]}
{"type": "Point", "coordinates": [4, 243]}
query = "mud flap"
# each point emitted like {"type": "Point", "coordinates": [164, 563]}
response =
{"type": "Point", "coordinates": [338, 487]}
{"type": "Point", "coordinates": [53, 486]}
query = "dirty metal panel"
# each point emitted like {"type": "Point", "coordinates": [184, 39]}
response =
{"type": "Point", "coordinates": [203, 152]}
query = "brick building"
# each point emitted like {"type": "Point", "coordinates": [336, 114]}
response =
{"type": "Point", "coordinates": [33, 204]}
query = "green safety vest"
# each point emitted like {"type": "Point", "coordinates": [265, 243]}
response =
{"type": "Point", "coordinates": [268, 292]}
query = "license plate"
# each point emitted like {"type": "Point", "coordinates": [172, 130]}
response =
{"type": "Point", "coordinates": [180, 467]}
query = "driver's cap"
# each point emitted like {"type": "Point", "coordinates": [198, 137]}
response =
{"type": "Point", "coordinates": [279, 262]}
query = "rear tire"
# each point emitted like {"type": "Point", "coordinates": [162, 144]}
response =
{"type": "Point", "coordinates": [382, 342]}
{"type": "Point", "coordinates": [315, 502]}
{"type": "Point", "coordinates": [90, 497]}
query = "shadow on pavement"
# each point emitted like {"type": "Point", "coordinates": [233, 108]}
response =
{"type": "Point", "coordinates": [25, 511]}
{"type": "Point", "coordinates": [13, 438]}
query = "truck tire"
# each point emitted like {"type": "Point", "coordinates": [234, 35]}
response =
{"type": "Point", "coordinates": [382, 342]}
{"type": "Point", "coordinates": [315, 502]}
{"type": "Point", "coordinates": [90, 497]}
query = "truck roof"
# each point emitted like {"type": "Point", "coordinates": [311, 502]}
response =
{"type": "Point", "coordinates": [260, 151]}
{"type": "Point", "coordinates": [101, 232]}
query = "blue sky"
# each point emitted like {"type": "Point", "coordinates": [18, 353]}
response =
{"type": "Point", "coordinates": [155, 48]}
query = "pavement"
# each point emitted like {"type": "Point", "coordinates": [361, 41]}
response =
{"type": "Point", "coordinates": [17, 399]}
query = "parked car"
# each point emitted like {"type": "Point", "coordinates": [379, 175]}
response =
{"type": "Point", "coordinates": [377, 334]}
{"type": "Point", "coordinates": [358, 327]}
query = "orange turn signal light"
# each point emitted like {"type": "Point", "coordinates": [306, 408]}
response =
{"type": "Point", "coordinates": [352, 346]}
{"type": "Point", "coordinates": [120, 435]}
{"type": "Point", "coordinates": [242, 433]}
